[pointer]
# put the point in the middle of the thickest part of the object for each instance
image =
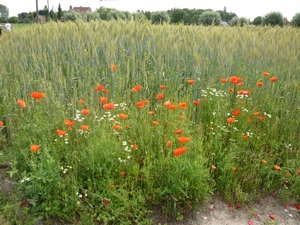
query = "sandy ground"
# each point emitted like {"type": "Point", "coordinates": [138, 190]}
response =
{"type": "Point", "coordinates": [217, 212]}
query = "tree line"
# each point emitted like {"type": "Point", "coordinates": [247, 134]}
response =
{"type": "Point", "coordinates": [184, 16]}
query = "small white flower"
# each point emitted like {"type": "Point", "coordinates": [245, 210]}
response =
{"type": "Point", "coordinates": [124, 143]}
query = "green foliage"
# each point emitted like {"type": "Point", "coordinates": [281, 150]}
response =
{"type": "Point", "coordinates": [257, 21]}
{"type": "Point", "coordinates": [13, 19]}
{"type": "Point", "coordinates": [296, 20]}
{"type": "Point", "coordinates": [225, 16]}
{"type": "Point", "coordinates": [160, 17]}
{"type": "Point", "coordinates": [103, 12]}
{"type": "Point", "coordinates": [60, 13]}
{"type": "Point", "coordinates": [273, 19]}
{"type": "Point", "coordinates": [72, 15]}
{"type": "Point", "coordinates": [4, 12]}
{"type": "Point", "coordinates": [139, 16]}
{"type": "Point", "coordinates": [177, 15]}
{"type": "Point", "coordinates": [209, 18]}
{"type": "Point", "coordinates": [92, 16]}
{"type": "Point", "coordinates": [116, 15]}
{"type": "Point", "coordinates": [236, 21]}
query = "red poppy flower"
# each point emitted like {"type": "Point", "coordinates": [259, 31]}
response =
{"type": "Point", "coordinates": [137, 88]}
{"type": "Point", "coordinates": [236, 112]}
{"type": "Point", "coordinates": [99, 88]}
{"type": "Point", "coordinates": [84, 127]}
{"type": "Point", "coordinates": [264, 161]}
{"type": "Point", "coordinates": [245, 137]}
{"type": "Point", "coordinates": [69, 123]}
{"type": "Point", "coordinates": [112, 186]}
{"type": "Point", "coordinates": [85, 111]}
{"type": "Point", "coordinates": [266, 74]}
{"type": "Point", "coordinates": [196, 103]}
{"type": "Point", "coordinates": [178, 131]}
{"type": "Point", "coordinates": [34, 148]}
{"type": "Point", "coordinates": [213, 167]}
{"type": "Point", "coordinates": [231, 90]}
{"type": "Point", "coordinates": [259, 83]}
{"type": "Point", "coordinates": [273, 79]}
{"type": "Point", "coordinates": [122, 174]}
{"type": "Point", "coordinates": [61, 132]}
{"type": "Point", "coordinates": [160, 96]}
{"type": "Point", "coordinates": [113, 67]}
{"type": "Point", "coordinates": [81, 101]}
{"type": "Point", "coordinates": [1, 124]}
{"type": "Point", "coordinates": [117, 127]}
{"type": "Point", "coordinates": [235, 79]}
{"type": "Point", "coordinates": [182, 105]}
{"type": "Point", "coordinates": [109, 106]}
{"type": "Point", "coordinates": [103, 99]}
{"type": "Point", "coordinates": [105, 202]}
{"type": "Point", "coordinates": [105, 91]}
{"type": "Point", "coordinates": [140, 104]}
{"type": "Point", "coordinates": [172, 107]}
{"type": "Point", "coordinates": [223, 80]}
{"type": "Point", "coordinates": [37, 95]}
{"type": "Point", "coordinates": [162, 87]}
{"type": "Point", "coordinates": [151, 112]}
{"type": "Point", "coordinates": [184, 139]}
{"type": "Point", "coordinates": [256, 113]}
{"type": "Point", "coordinates": [262, 118]}
{"type": "Point", "coordinates": [155, 123]}
{"type": "Point", "coordinates": [276, 167]}
{"type": "Point", "coordinates": [22, 103]}
{"type": "Point", "coordinates": [123, 116]}
{"type": "Point", "coordinates": [180, 151]}
{"type": "Point", "coordinates": [168, 144]}
{"type": "Point", "coordinates": [135, 146]}
{"type": "Point", "coordinates": [167, 103]}
{"type": "Point", "coordinates": [230, 120]}
{"type": "Point", "coordinates": [182, 117]}
{"type": "Point", "coordinates": [233, 169]}
{"type": "Point", "coordinates": [191, 81]}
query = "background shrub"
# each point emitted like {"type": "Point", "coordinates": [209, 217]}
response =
{"type": "Point", "coordinates": [296, 20]}
{"type": "Point", "coordinates": [160, 17]}
{"type": "Point", "coordinates": [273, 19]}
{"type": "Point", "coordinates": [209, 18]}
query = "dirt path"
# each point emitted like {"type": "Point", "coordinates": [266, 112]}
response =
{"type": "Point", "coordinates": [217, 212]}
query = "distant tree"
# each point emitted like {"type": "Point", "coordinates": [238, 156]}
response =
{"type": "Point", "coordinates": [296, 20]}
{"type": "Point", "coordinates": [234, 21]}
{"type": "Point", "coordinates": [4, 12]}
{"type": "Point", "coordinates": [92, 16]}
{"type": "Point", "coordinates": [72, 15]}
{"type": "Point", "coordinates": [103, 12]}
{"type": "Point", "coordinates": [22, 16]}
{"type": "Point", "coordinates": [160, 17]}
{"type": "Point", "coordinates": [52, 15]}
{"type": "Point", "coordinates": [257, 21]}
{"type": "Point", "coordinates": [128, 15]}
{"type": "Point", "coordinates": [209, 18]}
{"type": "Point", "coordinates": [13, 19]}
{"type": "Point", "coordinates": [177, 15]}
{"type": "Point", "coordinates": [60, 13]}
{"type": "Point", "coordinates": [148, 14]}
{"type": "Point", "coordinates": [116, 15]}
{"type": "Point", "coordinates": [225, 16]}
{"type": "Point", "coordinates": [139, 16]}
{"type": "Point", "coordinates": [273, 19]}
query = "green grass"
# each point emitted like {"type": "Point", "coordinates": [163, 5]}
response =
{"type": "Point", "coordinates": [111, 173]}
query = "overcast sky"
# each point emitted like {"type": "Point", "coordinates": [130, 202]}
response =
{"type": "Point", "coordinates": [247, 8]}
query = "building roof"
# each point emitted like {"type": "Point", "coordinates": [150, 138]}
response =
{"type": "Point", "coordinates": [40, 19]}
{"type": "Point", "coordinates": [82, 9]}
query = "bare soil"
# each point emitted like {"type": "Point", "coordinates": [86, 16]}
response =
{"type": "Point", "coordinates": [267, 211]}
